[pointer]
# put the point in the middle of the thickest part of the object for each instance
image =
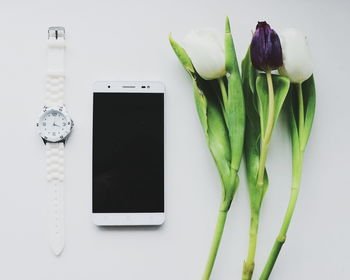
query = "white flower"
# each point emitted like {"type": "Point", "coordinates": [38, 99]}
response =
{"type": "Point", "coordinates": [297, 62]}
{"type": "Point", "coordinates": [206, 49]}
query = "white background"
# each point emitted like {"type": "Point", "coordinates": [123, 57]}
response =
{"type": "Point", "coordinates": [128, 40]}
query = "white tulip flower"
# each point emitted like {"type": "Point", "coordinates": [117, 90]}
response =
{"type": "Point", "coordinates": [297, 62]}
{"type": "Point", "coordinates": [206, 49]}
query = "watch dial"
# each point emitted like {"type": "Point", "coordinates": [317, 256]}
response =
{"type": "Point", "coordinates": [54, 126]}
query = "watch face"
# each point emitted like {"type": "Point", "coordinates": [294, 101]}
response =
{"type": "Point", "coordinates": [54, 125]}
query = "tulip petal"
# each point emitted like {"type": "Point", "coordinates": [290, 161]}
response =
{"type": "Point", "coordinates": [297, 61]}
{"type": "Point", "coordinates": [265, 49]}
{"type": "Point", "coordinates": [206, 50]}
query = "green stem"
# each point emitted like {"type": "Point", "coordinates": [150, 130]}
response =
{"type": "Point", "coordinates": [223, 91]}
{"type": "Point", "coordinates": [249, 264]}
{"type": "Point", "coordinates": [215, 244]}
{"type": "Point", "coordinates": [281, 238]}
{"type": "Point", "coordinates": [297, 168]}
{"type": "Point", "coordinates": [269, 127]}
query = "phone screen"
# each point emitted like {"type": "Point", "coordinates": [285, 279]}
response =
{"type": "Point", "coordinates": [128, 152]}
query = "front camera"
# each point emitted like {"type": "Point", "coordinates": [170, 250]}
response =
{"type": "Point", "coordinates": [109, 86]}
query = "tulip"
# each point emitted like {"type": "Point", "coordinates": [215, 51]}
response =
{"type": "Point", "coordinates": [301, 111]}
{"type": "Point", "coordinates": [206, 49]}
{"type": "Point", "coordinates": [220, 109]}
{"type": "Point", "coordinates": [265, 49]}
{"type": "Point", "coordinates": [269, 92]}
{"type": "Point", "coordinates": [297, 62]}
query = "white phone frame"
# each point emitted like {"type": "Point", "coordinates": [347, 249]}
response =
{"type": "Point", "coordinates": [128, 219]}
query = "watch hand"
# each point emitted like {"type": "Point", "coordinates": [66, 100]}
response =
{"type": "Point", "coordinates": [54, 122]}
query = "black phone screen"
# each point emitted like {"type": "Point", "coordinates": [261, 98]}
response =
{"type": "Point", "coordinates": [128, 152]}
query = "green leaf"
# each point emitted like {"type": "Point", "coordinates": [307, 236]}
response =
{"type": "Point", "coordinates": [281, 87]}
{"type": "Point", "coordinates": [219, 143]}
{"type": "Point", "coordinates": [235, 110]}
{"type": "Point", "coordinates": [213, 123]}
{"type": "Point", "coordinates": [252, 134]}
{"type": "Point", "coordinates": [309, 100]}
{"type": "Point", "coordinates": [201, 105]}
{"type": "Point", "coordinates": [309, 95]}
{"type": "Point", "coordinates": [231, 62]}
{"type": "Point", "coordinates": [252, 116]}
{"type": "Point", "coordinates": [182, 55]}
{"type": "Point", "coordinates": [263, 104]}
{"type": "Point", "coordinates": [249, 75]}
{"type": "Point", "coordinates": [294, 127]}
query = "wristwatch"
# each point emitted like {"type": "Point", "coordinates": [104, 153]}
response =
{"type": "Point", "coordinates": [55, 125]}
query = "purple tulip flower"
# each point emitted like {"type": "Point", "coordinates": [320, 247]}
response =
{"type": "Point", "coordinates": [265, 49]}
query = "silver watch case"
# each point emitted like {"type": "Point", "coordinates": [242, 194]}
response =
{"type": "Point", "coordinates": [57, 139]}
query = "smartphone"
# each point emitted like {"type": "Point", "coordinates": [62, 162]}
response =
{"type": "Point", "coordinates": [128, 153]}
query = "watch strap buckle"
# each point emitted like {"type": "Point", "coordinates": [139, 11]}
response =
{"type": "Point", "coordinates": [56, 32]}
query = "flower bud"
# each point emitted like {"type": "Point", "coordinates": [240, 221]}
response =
{"type": "Point", "coordinates": [265, 48]}
{"type": "Point", "coordinates": [206, 50]}
{"type": "Point", "coordinates": [297, 62]}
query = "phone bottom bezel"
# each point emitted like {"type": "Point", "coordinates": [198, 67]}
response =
{"type": "Point", "coordinates": [128, 219]}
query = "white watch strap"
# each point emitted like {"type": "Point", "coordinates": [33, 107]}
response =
{"type": "Point", "coordinates": [54, 151]}
{"type": "Point", "coordinates": [55, 74]}
{"type": "Point", "coordinates": [55, 176]}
